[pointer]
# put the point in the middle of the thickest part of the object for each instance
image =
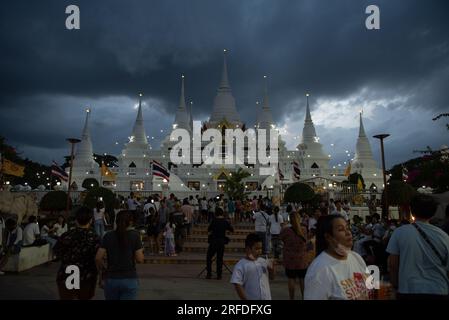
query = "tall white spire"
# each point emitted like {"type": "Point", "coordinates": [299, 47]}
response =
{"type": "Point", "coordinates": [138, 135]}
{"type": "Point", "coordinates": [182, 118]}
{"type": "Point", "coordinates": [264, 118]}
{"type": "Point", "coordinates": [224, 102]}
{"type": "Point", "coordinates": [190, 115]}
{"type": "Point", "coordinates": [310, 146]}
{"type": "Point", "coordinates": [361, 128]}
{"type": "Point", "coordinates": [182, 99]}
{"type": "Point", "coordinates": [308, 115]}
{"type": "Point", "coordinates": [84, 151]}
{"type": "Point", "coordinates": [86, 134]}
{"type": "Point", "coordinates": [224, 84]}
{"type": "Point", "coordinates": [364, 162]}
{"type": "Point", "coordinates": [134, 161]}
{"type": "Point", "coordinates": [266, 103]}
{"type": "Point", "coordinates": [363, 153]}
{"type": "Point", "coordinates": [308, 132]}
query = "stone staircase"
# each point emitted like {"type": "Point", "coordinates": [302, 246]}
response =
{"type": "Point", "coordinates": [195, 247]}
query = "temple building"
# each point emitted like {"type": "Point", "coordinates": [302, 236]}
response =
{"type": "Point", "coordinates": [134, 171]}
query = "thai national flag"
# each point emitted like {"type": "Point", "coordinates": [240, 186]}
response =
{"type": "Point", "coordinates": [281, 175]}
{"type": "Point", "coordinates": [296, 170]}
{"type": "Point", "coordinates": [160, 171]}
{"type": "Point", "coordinates": [57, 171]}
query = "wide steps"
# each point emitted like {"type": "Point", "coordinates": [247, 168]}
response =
{"type": "Point", "coordinates": [236, 232]}
{"type": "Point", "coordinates": [190, 258]}
{"type": "Point", "coordinates": [240, 226]}
{"type": "Point", "coordinates": [190, 246]}
{"type": "Point", "coordinates": [204, 238]}
{"type": "Point", "coordinates": [230, 259]}
{"type": "Point", "coordinates": [196, 244]}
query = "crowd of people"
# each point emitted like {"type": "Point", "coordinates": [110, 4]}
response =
{"type": "Point", "coordinates": [14, 236]}
{"type": "Point", "coordinates": [324, 250]}
{"type": "Point", "coordinates": [330, 253]}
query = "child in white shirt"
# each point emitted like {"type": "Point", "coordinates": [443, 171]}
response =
{"type": "Point", "coordinates": [250, 274]}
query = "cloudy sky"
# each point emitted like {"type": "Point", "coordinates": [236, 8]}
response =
{"type": "Point", "coordinates": [398, 75]}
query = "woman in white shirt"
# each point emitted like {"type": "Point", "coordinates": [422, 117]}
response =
{"type": "Point", "coordinates": [31, 232]}
{"type": "Point", "coordinates": [60, 227]}
{"type": "Point", "coordinates": [47, 230]}
{"type": "Point", "coordinates": [337, 273]}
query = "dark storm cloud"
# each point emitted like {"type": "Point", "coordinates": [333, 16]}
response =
{"type": "Point", "coordinates": [127, 47]}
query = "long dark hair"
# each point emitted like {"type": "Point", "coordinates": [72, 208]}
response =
{"type": "Point", "coordinates": [63, 220]}
{"type": "Point", "coordinates": [324, 226]}
{"type": "Point", "coordinates": [124, 220]}
{"type": "Point", "coordinates": [295, 221]}
{"type": "Point", "coordinates": [276, 213]}
{"type": "Point", "coordinates": [99, 206]}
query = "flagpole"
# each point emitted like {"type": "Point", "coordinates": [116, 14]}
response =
{"type": "Point", "coordinates": [101, 173]}
{"type": "Point", "coordinates": [51, 179]}
{"type": "Point", "coordinates": [72, 141]}
{"type": "Point", "coordinates": [1, 171]}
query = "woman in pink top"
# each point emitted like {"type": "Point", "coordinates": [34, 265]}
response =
{"type": "Point", "coordinates": [295, 253]}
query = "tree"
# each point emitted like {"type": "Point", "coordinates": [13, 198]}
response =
{"type": "Point", "coordinates": [354, 179]}
{"type": "Point", "coordinates": [94, 195]}
{"type": "Point", "coordinates": [440, 116]}
{"type": "Point", "coordinates": [299, 192]}
{"type": "Point", "coordinates": [35, 174]}
{"type": "Point", "coordinates": [90, 183]}
{"type": "Point", "coordinates": [54, 201]}
{"type": "Point", "coordinates": [430, 170]}
{"type": "Point", "coordinates": [234, 186]}
{"type": "Point", "coordinates": [399, 193]}
{"type": "Point", "coordinates": [107, 159]}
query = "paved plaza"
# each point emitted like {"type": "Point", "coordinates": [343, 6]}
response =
{"type": "Point", "coordinates": [157, 281]}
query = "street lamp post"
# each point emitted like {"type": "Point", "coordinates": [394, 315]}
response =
{"type": "Point", "coordinates": [381, 137]}
{"type": "Point", "coordinates": [72, 141]}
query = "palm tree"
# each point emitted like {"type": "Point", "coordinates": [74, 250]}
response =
{"type": "Point", "coordinates": [234, 186]}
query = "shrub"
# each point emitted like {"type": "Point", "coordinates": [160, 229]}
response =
{"type": "Point", "coordinates": [94, 195]}
{"type": "Point", "coordinates": [399, 193]}
{"type": "Point", "coordinates": [54, 201]}
{"type": "Point", "coordinates": [90, 183]}
{"type": "Point", "coordinates": [299, 192]}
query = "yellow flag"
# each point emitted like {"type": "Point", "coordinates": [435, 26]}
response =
{"type": "Point", "coordinates": [12, 168]}
{"type": "Point", "coordinates": [359, 185]}
{"type": "Point", "coordinates": [106, 173]}
{"type": "Point", "coordinates": [348, 170]}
